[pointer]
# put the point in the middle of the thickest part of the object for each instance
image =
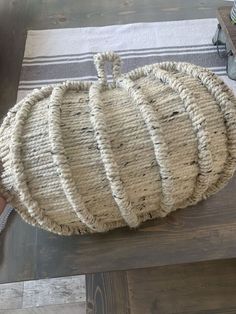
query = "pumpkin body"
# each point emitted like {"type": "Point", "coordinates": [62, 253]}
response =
{"type": "Point", "coordinates": [84, 157]}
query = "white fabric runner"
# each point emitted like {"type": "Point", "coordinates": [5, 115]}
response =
{"type": "Point", "coordinates": [52, 56]}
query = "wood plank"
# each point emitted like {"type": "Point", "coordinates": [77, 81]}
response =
{"type": "Point", "coordinates": [107, 293]}
{"type": "Point", "coordinates": [14, 16]}
{"type": "Point", "coordinates": [206, 231]}
{"type": "Point", "coordinates": [223, 15]}
{"type": "Point", "coordinates": [17, 247]}
{"type": "Point", "coordinates": [206, 288]}
{"type": "Point", "coordinates": [73, 308]}
{"type": "Point", "coordinates": [11, 295]}
{"type": "Point", "coordinates": [54, 291]}
{"type": "Point", "coordinates": [58, 14]}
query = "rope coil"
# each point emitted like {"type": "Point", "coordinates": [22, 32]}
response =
{"type": "Point", "coordinates": [100, 60]}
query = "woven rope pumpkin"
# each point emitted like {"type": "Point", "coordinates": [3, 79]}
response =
{"type": "Point", "coordinates": [83, 157]}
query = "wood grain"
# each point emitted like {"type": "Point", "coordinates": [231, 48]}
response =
{"type": "Point", "coordinates": [11, 295]}
{"type": "Point", "coordinates": [14, 16]}
{"type": "Point", "coordinates": [223, 15]}
{"type": "Point", "coordinates": [204, 232]}
{"type": "Point", "coordinates": [17, 250]}
{"type": "Point", "coordinates": [54, 291]}
{"type": "Point", "coordinates": [73, 308]}
{"type": "Point", "coordinates": [202, 288]}
{"type": "Point", "coordinates": [107, 293]}
{"type": "Point", "coordinates": [74, 13]}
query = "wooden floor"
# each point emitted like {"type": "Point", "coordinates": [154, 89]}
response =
{"type": "Point", "coordinates": [73, 308]}
{"type": "Point", "coordinates": [201, 288]}
{"type": "Point", "coordinates": [47, 296]}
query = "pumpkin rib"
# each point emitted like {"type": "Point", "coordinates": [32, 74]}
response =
{"type": "Point", "coordinates": [200, 128]}
{"type": "Point", "coordinates": [61, 163]}
{"type": "Point", "coordinates": [111, 168]}
{"type": "Point", "coordinates": [222, 95]}
{"type": "Point", "coordinates": [160, 147]}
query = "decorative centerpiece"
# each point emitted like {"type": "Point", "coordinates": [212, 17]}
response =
{"type": "Point", "coordinates": [82, 157]}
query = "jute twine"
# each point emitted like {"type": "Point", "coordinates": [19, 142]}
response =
{"type": "Point", "coordinates": [207, 107]}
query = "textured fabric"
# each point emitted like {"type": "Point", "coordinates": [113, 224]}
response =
{"type": "Point", "coordinates": [4, 216]}
{"type": "Point", "coordinates": [89, 157]}
{"type": "Point", "coordinates": [48, 60]}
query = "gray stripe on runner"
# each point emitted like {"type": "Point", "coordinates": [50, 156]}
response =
{"type": "Point", "coordinates": [40, 72]}
{"type": "Point", "coordinates": [30, 86]}
{"type": "Point", "coordinates": [131, 53]}
{"type": "Point", "coordinates": [120, 51]}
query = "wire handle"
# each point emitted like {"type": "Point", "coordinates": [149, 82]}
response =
{"type": "Point", "coordinates": [101, 58]}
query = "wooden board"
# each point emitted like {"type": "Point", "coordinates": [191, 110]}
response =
{"type": "Point", "coordinates": [53, 291]}
{"type": "Point", "coordinates": [73, 308]}
{"type": "Point", "coordinates": [206, 288]}
{"type": "Point", "coordinates": [223, 15]}
{"type": "Point", "coordinates": [107, 293]}
{"type": "Point", "coordinates": [46, 295]}
{"type": "Point", "coordinates": [204, 232]}
{"type": "Point", "coordinates": [11, 295]}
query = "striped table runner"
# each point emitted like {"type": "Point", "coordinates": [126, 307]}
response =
{"type": "Point", "coordinates": [52, 56]}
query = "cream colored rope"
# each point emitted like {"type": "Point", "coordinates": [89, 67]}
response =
{"type": "Point", "coordinates": [20, 184]}
{"type": "Point", "coordinates": [200, 128]}
{"type": "Point", "coordinates": [164, 72]}
{"type": "Point", "coordinates": [100, 130]}
{"type": "Point", "coordinates": [222, 96]}
{"type": "Point", "coordinates": [101, 59]}
{"type": "Point", "coordinates": [61, 163]}
{"type": "Point", "coordinates": [160, 147]}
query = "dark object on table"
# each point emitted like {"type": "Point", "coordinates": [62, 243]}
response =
{"type": "Point", "coordinates": [226, 35]}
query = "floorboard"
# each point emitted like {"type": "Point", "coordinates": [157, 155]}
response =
{"type": "Point", "coordinates": [201, 288]}
{"type": "Point", "coordinates": [76, 308]}
{"type": "Point", "coordinates": [107, 293]}
{"type": "Point", "coordinates": [205, 232]}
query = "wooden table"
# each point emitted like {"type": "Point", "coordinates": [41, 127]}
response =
{"type": "Point", "coordinates": [206, 232]}
{"type": "Point", "coordinates": [229, 29]}
{"type": "Point", "coordinates": [226, 35]}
